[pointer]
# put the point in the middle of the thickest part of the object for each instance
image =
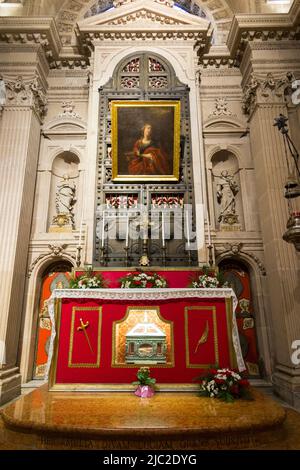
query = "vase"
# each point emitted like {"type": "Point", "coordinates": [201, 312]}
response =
{"type": "Point", "coordinates": [144, 391]}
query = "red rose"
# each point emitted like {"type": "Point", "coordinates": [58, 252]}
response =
{"type": "Point", "coordinates": [244, 383]}
{"type": "Point", "coordinates": [219, 381]}
{"type": "Point", "coordinates": [149, 284]}
{"type": "Point", "coordinates": [213, 371]}
{"type": "Point", "coordinates": [138, 283]}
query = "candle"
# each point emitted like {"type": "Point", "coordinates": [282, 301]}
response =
{"type": "Point", "coordinates": [102, 235]}
{"type": "Point", "coordinates": [127, 231]}
{"type": "Point", "coordinates": [188, 229]}
{"type": "Point", "coordinates": [208, 228]}
{"type": "Point", "coordinates": [163, 229]}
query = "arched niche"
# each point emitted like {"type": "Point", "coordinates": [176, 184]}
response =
{"type": "Point", "coordinates": [55, 276]}
{"type": "Point", "coordinates": [49, 263]}
{"type": "Point", "coordinates": [227, 194]}
{"type": "Point", "coordinates": [239, 275]}
{"type": "Point", "coordinates": [66, 186]}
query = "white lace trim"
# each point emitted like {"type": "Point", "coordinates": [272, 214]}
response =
{"type": "Point", "coordinates": [146, 294]}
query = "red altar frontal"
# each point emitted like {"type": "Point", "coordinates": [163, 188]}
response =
{"type": "Point", "coordinates": [102, 336]}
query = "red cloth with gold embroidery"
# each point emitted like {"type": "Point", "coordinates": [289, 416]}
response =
{"type": "Point", "coordinates": [199, 337]}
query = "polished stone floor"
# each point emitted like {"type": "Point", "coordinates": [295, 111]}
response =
{"type": "Point", "coordinates": [63, 420]}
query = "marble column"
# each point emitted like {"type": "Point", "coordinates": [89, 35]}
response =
{"type": "Point", "coordinates": [264, 101]}
{"type": "Point", "coordinates": [19, 147]}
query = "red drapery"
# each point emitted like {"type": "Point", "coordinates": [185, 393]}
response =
{"type": "Point", "coordinates": [92, 361]}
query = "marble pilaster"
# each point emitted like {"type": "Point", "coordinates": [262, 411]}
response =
{"type": "Point", "coordinates": [264, 100]}
{"type": "Point", "coordinates": [19, 144]}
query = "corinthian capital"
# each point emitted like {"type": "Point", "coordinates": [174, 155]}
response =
{"type": "Point", "coordinates": [266, 89]}
{"type": "Point", "coordinates": [26, 93]}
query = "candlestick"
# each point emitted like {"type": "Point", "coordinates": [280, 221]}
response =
{"type": "Point", "coordinates": [208, 227]}
{"type": "Point", "coordinates": [80, 234]}
{"type": "Point", "coordinates": [127, 231]}
{"type": "Point", "coordinates": [163, 229]}
{"type": "Point", "coordinates": [102, 235]}
{"type": "Point", "coordinates": [188, 229]}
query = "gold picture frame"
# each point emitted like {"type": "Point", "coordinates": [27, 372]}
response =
{"type": "Point", "coordinates": [145, 140]}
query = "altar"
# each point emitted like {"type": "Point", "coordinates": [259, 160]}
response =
{"type": "Point", "coordinates": [100, 337]}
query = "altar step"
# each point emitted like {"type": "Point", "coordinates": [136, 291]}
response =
{"type": "Point", "coordinates": [179, 421]}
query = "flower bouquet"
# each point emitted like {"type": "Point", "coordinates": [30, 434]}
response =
{"type": "Point", "coordinates": [88, 280]}
{"type": "Point", "coordinates": [143, 280]}
{"type": "Point", "coordinates": [208, 279]}
{"type": "Point", "coordinates": [144, 383]}
{"type": "Point", "coordinates": [224, 384]}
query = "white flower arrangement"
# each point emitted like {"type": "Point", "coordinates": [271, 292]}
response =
{"type": "Point", "coordinates": [208, 280]}
{"type": "Point", "coordinates": [205, 281]}
{"type": "Point", "coordinates": [88, 280]}
{"type": "Point", "coordinates": [143, 280]}
{"type": "Point", "coordinates": [225, 384]}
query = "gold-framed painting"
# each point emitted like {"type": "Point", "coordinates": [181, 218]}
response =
{"type": "Point", "coordinates": [145, 140]}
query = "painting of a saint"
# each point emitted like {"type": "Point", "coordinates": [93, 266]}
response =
{"type": "Point", "coordinates": [145, 140]}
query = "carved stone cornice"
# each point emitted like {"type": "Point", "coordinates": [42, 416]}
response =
{"type": "Point", "coordinates": [274, 27]}
{"type": "Point", "coordinates": [120, 3]}
{"type": "Point", "coordinates": [145, 34]}
{"type": "Point", "coordinates": [209, 61]}
{"type": "Point", "coordinates": [144, 15]}
{"type": "Point", "coordinates": [41, 31]}
{"type": "Point", "coordinates": [26, 93]}
{"type": "Point", "coordinates": [23, 30]}
{"type": "Point", "coordinates": [266, 89]}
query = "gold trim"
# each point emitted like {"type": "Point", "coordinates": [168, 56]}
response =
{"type": "Point", "coordinates": [53, 367]}
{"type": "Point", "coordinates": [216, 344]}
{"type": "Point", "coordinates": [134, 366]}
{"type": "Point", "coordinates": [84, 365]}
{"type": "Point", "coordinates": [115, 105]}
{"type": "Point", "coordinates": [79, 387]}
{"type": "Point", "coordinates": [232, 356]}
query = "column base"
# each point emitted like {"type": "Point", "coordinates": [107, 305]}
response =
{"type": "Point", "coordinates": [10, 384]}
{"type": "Point", "coordinates": [286, 384]}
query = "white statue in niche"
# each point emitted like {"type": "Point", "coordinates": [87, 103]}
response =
{"type": "Point", "coordinates": [227, 191]}
{"type": "Point", "coordinates": [65, 200]}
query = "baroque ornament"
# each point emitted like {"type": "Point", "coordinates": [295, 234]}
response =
{"type": "Point", "coordinates": [236, 250]}
{"type": "Point", "coordinates": [221, 108]}
{"type": "Point", "coordinates": [266, 90]}
{"type": "Point", "coordinates": [55, 251]}
{"type": "Point", "coordinates": [21, 93]}
{"type": "Point", "coordinates": [120, 3]}
{"type": "Point", "coordinates": [68, 110]}
{"type": "Point", "coordinates": [144, 15]}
